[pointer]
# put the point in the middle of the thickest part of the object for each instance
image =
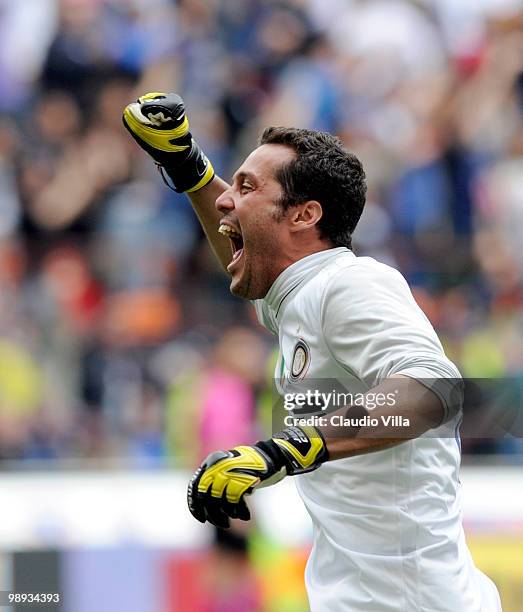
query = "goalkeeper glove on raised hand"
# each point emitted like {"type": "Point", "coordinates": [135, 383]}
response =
{"type": "Point", "coordinates": [158, 123]}
{"type": "Point", "coordinates": [216, 492]}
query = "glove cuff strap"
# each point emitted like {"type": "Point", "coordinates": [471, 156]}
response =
{"type": "Point", "coordinates": [207, 178]}
{"type": "Point", "coordinates": [193, 174]}
{"type": "Point", "coordinates": [298, 449]}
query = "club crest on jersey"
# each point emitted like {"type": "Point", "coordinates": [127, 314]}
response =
{"type": "Point", "coordinates": [300, 360]}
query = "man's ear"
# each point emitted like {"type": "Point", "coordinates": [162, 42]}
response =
{"type": "Point", "coordinates": [305, 215]}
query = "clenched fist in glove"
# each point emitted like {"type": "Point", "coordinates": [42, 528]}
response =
{"type": "Point", "coordinates": [158, 123]}
{"type": "Point", "coordinates": [217, 490]}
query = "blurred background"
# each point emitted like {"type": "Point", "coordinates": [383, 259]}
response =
{"type": "Point", "coordinates": [124, 360]}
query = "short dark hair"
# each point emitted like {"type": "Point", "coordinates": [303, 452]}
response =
{"type": "Point", "coordinates": [325, 171]}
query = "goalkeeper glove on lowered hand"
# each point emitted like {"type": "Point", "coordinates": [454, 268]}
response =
{"type": "Point", "coordinates": [217, 491]}
{"type": "Point", "coordinates": [159, 124]}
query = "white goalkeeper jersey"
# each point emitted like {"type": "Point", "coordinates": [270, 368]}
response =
{"type": "Point", "coordinates": [387, 525]}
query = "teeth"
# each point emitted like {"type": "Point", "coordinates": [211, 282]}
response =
{"type": "Point", "coordinates": [227, 230]}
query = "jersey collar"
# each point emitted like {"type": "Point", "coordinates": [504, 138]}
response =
{"type": "Point", "coordinates": [295, 275]}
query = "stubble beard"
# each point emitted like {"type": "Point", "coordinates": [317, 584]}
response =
{"type": "Point", "coordinates": [256, 276]}
{"type": "Point", "coordinates": [258, 273]}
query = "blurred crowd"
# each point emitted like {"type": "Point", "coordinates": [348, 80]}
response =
{"type": "Point", "coordinates": [118, 336]}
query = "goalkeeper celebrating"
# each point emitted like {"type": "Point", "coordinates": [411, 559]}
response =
{"type": "Point", "coordinates": [380, 483]}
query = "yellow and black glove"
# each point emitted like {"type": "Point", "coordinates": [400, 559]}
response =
{"type": "Point", "coordinates": [216, 492]}
{"type": "Point", "coordinates": [158, 123]}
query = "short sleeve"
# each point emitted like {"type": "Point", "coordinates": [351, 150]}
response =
{"type": "Point", "coordinates": [374, 328]}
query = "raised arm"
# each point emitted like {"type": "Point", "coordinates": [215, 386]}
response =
{"type": "Point", "coordinates": [203, 203]}
{"type": "Point", "coordinates": [159, 124]}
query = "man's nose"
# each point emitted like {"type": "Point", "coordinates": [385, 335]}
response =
{"type": "Point", "coordinates": [224, 202]}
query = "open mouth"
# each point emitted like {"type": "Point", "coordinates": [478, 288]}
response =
{"type": "Point", "coordinates": [235, 239]}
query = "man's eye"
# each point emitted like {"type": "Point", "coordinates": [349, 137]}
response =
{"type": "Point", "coordinates": [246, 187]}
